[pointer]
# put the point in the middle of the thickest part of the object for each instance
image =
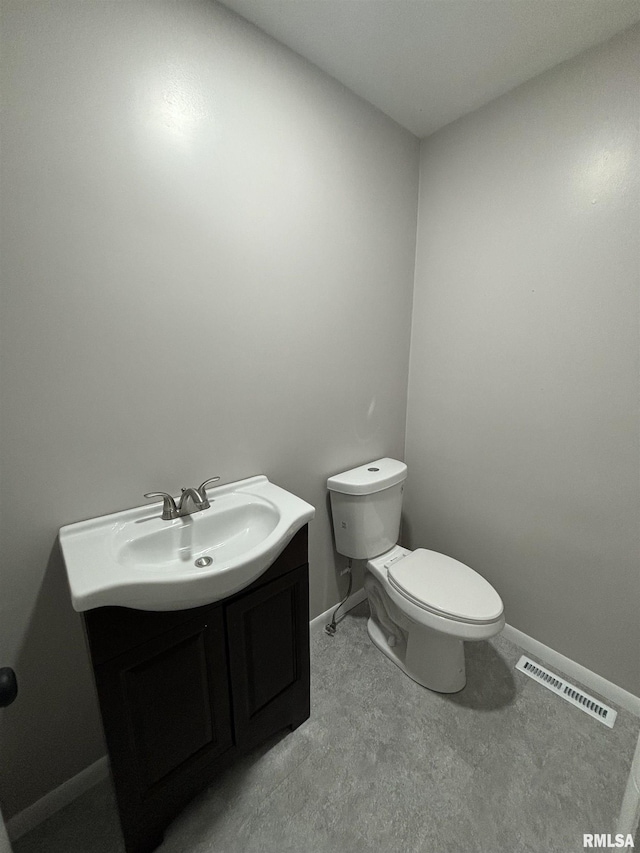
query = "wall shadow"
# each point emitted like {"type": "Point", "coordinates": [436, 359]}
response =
{"type": "Point", "coordinates": [53, 729]}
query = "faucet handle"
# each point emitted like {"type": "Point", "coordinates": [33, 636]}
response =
{"type": "Point", "coordinates": [203, 486]}
{"type": "Point", "coordinates": [169, 508]}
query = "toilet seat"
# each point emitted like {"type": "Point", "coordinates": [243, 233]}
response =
{"type": "Point", "coordinates": [445, 587]}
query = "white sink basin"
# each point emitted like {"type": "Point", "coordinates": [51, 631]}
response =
{"type": "Point", "coordinates": [135, 559]}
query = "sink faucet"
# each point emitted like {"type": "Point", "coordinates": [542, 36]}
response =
{"type": "Point", "coordinates": [198, 501]}
{"type": "Point", "coordinates": [198, 497]}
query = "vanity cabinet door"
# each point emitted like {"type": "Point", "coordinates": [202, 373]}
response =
{"type": "Point", "coordinates": [166, 711]}
{"type": "Point", "coordinates": [268, 633]}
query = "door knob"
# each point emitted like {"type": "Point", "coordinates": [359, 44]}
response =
{"type": "Point", "coordinates": [8, 686]}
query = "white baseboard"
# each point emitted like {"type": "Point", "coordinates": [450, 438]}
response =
{"type": "Point", "coordinates": [5, 847]}
{"type": "Point", "coordinates": [61, 796]}
{"type": "Point", "coordinates": [57, 799]}
{"type": "Point", "coordinates": [316, 626]}
{"type": "Point", "coordinates": [630, 810]}
{"type": "Point", "coordinates": [606, 689]}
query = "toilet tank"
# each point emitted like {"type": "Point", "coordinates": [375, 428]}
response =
{"type": "Point", "coordinates": [366, 503]}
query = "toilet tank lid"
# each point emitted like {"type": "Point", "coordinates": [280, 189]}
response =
{"type": "Point", "coordinates": [369, 478]}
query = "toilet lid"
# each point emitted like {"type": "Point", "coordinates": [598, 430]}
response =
{"type": "Point", "coordinates": [446, 587]}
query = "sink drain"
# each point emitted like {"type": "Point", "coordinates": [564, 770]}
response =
{"type": "Point", "coordinates": [201, 562]}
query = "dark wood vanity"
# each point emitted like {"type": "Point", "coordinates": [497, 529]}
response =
{"type": "Point", "coordinates": [184, 692]}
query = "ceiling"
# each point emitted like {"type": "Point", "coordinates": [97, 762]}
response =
{"type": "Point", "coordinates": [427, 62]}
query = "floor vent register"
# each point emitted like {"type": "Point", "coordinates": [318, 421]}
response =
{"type": "Point", "coordinates": [567, 691]}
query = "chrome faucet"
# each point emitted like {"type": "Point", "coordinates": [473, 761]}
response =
{"type": "Point", "coordinates": [198, 501]}
{"type": "Point", "coordinates": [198, 497]}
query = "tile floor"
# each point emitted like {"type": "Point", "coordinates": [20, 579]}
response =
{"type": "Point", "coordinates": [383, 765]}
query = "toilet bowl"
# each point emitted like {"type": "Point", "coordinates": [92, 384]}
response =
{"type": "Point", "coordinates": [424, 605]}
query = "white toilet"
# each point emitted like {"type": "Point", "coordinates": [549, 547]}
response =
{"type": "Point", "coordinates": [423, 604]}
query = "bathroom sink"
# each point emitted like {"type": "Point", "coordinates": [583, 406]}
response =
{"type": "Point", "coordinates": [135, 559]}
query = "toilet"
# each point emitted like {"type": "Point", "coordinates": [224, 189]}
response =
{"type": "Point", "coordinates": [424, 605]}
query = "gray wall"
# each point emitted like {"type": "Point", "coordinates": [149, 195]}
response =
{"type": "Point", "coordinates": [204, 241]}
{"type": "Point", "coordinates": [522, 427]}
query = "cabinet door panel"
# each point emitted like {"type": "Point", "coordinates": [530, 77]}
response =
{"type": "Point", "coordinates": [269, 657]}
{"type": "Point", "coordinates": [171, 706]}
{"type": "Point", "coordinates": [166, 713]}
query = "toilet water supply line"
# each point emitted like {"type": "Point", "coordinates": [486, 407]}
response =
{"type": "Point", "coordinates": [330, 629]}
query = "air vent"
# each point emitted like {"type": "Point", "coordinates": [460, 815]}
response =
{"type": "Point", "coordinates": [567, 691]}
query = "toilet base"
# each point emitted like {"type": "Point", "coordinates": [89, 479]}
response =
{"type": "Point", "coordinates": [433, 660]}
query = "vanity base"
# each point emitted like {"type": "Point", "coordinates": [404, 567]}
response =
{"type": "Point", "coordinates": [183, 693]}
